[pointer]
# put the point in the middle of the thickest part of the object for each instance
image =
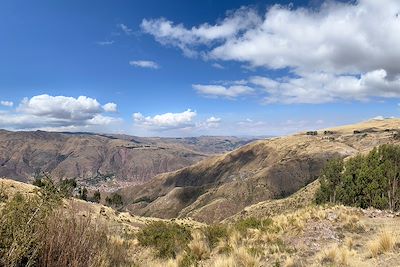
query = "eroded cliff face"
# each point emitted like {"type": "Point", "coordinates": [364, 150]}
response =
{"type": "Point", "coordinates": [101, 161]}
{"type": "Point", "coordinates": [221, 186]}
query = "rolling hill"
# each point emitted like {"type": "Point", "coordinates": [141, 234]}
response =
{"type": "Point", "coordinates": [101, 161]}
{"type": "Point", "coordinates": [220, 186]}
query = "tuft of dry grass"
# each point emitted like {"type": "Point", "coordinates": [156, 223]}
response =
{"type": "Point", "coordinates": [289, 262]}
{"type": "Point", "coordinates": [199, 245]}
{"type": "Point", "coordinates": [76, 240]}
{"type": "Point", "coordinates": [384, 243]}
{"type": "Point", "coordinates": [244, 258]}
{"type": "Point", "coordinates": [224, 261]}
{"type": "Point", "coordinates": [240, 257]}
{"type": "Point", "coordinates": [349, 243]}
{"type": "Point", "coordinates": [336, 255]}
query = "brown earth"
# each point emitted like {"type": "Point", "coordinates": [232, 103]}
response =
{"type": "Point", "coordinates": [102, 161]}
{"type": "Point", "coordinates": [221, 186]}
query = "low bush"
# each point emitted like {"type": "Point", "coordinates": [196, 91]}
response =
{"type": "Point", "coordinates": [115, 200]}
{"type": "Point", "coordinates": [22, 219]}
{"type": "Point", "coordinates": [253, 223]}
{"type": "Point", "coordinates": [3, 193]}
{"type": "Point", "coordinates": [76, 240]}
{"type": "Point", "coordinates": [35, 230]}
{"type": "Point", "coordinates": [215, 233]}
{"type": "Point", "coordinates": [96, 197]}
{"type": "Point", "coordinates": [168, 239]}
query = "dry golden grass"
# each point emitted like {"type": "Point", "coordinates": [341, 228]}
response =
{"type": "Point", "coordinates": [199, 246]}
{"type": "Point", "coordinates": [289, 262]}
{"type": "Point", "coordinates": [224, 261]}
{"type": "Point", "coordinates": [336, 255]}
{"type": "Point", "coordinates": [349, 242]}
{"type": "Point", "coordinates": [239, 257]}
{"type": "Point", "coordinates": [384, 243]}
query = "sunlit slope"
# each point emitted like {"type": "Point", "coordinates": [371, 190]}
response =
{"type": "Point", "coordinates": [221, 186]}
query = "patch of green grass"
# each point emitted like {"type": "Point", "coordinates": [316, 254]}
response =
{"type": "Point", "coordinates": [253, 223]}
{"type": "Point", "coordinates": [168, 239]}
{"type": "Point", "coordinates": [214, 233]}
{"type": "Point", "coordinates": [188, 260]}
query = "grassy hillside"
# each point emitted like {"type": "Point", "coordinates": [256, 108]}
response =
{"type": "Point", "coordinates": [305, 235]}
{"type": "Point", "coordinates": [221, 186]}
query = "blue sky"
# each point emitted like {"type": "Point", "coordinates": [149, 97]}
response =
{"type": "Point", "coordinates": [187, 68]}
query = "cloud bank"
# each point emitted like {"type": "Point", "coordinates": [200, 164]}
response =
{"type": "Point", "coordinates": [58, 112]}
{"type": "Point", "coordinates": [340, 51]}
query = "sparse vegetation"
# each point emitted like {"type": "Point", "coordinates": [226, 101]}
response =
{"type": "Point", "coordinates": [338, 256]}
{"type": "Point", "coordinates": [73, 240]}
{"type": "Point", "coordinates": [35, 230]}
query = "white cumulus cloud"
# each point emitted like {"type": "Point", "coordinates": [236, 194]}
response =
{"type": "Point", "coordinates": [341, 50]}
{"type": "Point", "coordinates": [166, 32]}
{"type": "Point", "coordinates": [166, 121]}
{"type": "Point", "coordinates": [56, 112]}
{"type": "Point", "coordinates": [110, 107]}
{"type": "Point", "coordinates": [213, 122]}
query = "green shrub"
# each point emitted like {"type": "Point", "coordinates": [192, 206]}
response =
{"type": "Point", "coordinates": [96, 197]}
{"type": "Point", "coordinates": [22, 219]}
{"type": "Point", "coordinates": [371, 180]}
{"type": "Point", "coordinates": [252, 223]}
{"type": "Point", "coordinates": [168, 239]}
{"type": "Point", "coordinates": [115, 200]}
{"type": "Point", "coordinates": [3, 193]}
{"type": "Point", "coordinates": [67, 186]}
{"type": "Point", "coordinates": [214, 233]}
{"type": "Point", "coordinates": [83, 193]}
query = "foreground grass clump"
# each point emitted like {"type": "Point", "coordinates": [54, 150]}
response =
{"type": "Point", "coordinates": [80, 241]}
{"type": "Point", "coordinates": [384, 243]}
{"type": "Point", "coordinates": [339, 256]}
{"type": "Point", "coordinates": [23, 220]}
{"type": "Point", "coordinates": [36, 230]}
{"type": "Point", "coordinates": [168, 239]}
